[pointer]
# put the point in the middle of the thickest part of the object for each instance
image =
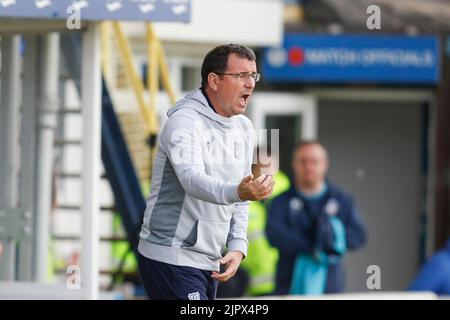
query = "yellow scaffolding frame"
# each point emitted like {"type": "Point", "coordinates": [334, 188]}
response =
{"type": "Point", "coordinates": [157, 66]}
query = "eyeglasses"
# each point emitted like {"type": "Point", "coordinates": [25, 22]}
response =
{"type": "Point", "coordinates": [243, 75]}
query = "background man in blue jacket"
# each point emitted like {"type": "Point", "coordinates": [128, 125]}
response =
{"type": "Point", "coordinates": [312, 225]}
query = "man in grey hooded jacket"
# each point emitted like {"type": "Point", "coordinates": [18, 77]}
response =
{"type": "Point", "coordinates": [202, 182]}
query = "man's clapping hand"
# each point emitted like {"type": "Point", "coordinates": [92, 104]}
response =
{"type": "Point", "coordinates": [257, 189]}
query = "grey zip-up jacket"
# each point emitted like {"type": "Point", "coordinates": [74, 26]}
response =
{"type": "Point", "coordinates": [193, 212]}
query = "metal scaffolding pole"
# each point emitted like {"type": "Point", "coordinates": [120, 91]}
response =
{"type": "Point", "coordinates": [25, 269]}
{"type": "Point", "coordinates": [91, 113]}
{"type": "Point", "coordinates": [9, 164]}
{"type": "Point", "coordinates": [48, 106]}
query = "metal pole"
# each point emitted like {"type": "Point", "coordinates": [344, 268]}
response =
{"type": "Point", "coordinates": [48, 105]}
{"type": "Point", "coordinates": [91, 113]}
{"type": "Point", "coordinates": [27, 158]}
{"type": "Point", "coordinates": [9, 115]}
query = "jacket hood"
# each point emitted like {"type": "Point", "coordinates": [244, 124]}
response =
{"type": "Point", "coordinates": [197, 101]}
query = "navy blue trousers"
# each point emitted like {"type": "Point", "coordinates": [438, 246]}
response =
{"type": "Point", "coordinates": [163, 281]}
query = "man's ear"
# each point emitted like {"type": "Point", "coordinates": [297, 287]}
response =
{"type": "Point", "coordinates": [213, 81]}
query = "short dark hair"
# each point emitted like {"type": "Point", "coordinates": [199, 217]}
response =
{"type": "Point", "coordinates": [303, 143]}
{"type": "Point", "coordinates": [216, 60]}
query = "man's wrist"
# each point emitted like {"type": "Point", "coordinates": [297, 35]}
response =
{"type": "Point", "coordinates": [241, 254]}
{"type": "Point", "coordinates": [240, 197]}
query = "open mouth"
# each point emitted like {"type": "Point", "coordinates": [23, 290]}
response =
{"type": "Point", "coordinates": [244, 99]}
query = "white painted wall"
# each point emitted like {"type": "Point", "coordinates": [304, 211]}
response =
{"type": "Point", "coordinates": [250, 22]}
